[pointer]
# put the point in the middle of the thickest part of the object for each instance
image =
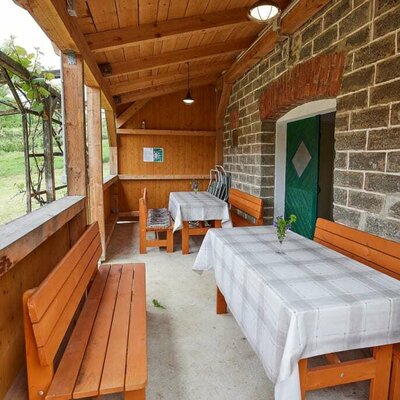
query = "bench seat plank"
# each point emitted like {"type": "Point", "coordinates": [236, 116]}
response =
{"type": "Point", "coordinates": [136, 371]}
{"type": "Point", "coordinates": [65, 377]}
{"type": "Point", "coordinates": [113, 378]}
{"type": "Point", "coordinates": [89, 377]}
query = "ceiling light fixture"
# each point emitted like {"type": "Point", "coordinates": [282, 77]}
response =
{"type": "Point", "coordinates": [188, 98]}
{"type": "Point", "coordinates": [264, 10]}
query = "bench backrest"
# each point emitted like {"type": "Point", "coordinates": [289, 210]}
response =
{"type": "Point", "coordinates": [54, 303]}
{"type": "Point", "coordinates": [378, 253]}
{"type": "Point", "coordinates": [143, 208]}
{"type": "Point", "coordinates": [249, 204]}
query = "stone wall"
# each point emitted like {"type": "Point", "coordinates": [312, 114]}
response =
{"type": "Point", "coordinates": [367, 133]}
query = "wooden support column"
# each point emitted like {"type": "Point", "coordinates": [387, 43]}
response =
{"type": "Point", "coordinates": [74, 127]}
{"type": "Point", "coordinates": [95, 162]}
{"type": "Point", "coordinates": [112, 139]}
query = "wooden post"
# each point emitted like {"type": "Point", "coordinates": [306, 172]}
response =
{"type": "Point", "coordinates": [95, 162]}
{"type": "Point", "coordinates": [74, 123]}
{"type": "Point", "coordinates": [112, 139]}
{"type": "Point", "coordinates": [113, 160]}
{"type": "Point", "coordinates": [48, 148]}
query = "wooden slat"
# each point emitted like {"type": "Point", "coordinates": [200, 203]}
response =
{"type": "Point", "coordinates": [113, 378]}
{"type": "Point", "coordinates": [89, 377]}
{"type": "Point", "coordinates": [65, 377]}
{"type": "Point", "coordinates": [251, 205]}
{"type": "Point", "coordinates": [179, 56]}
{"type": "Point", "coordinates": [50, 287]}
{"type": "Point", "coordinates": [43, 328]}
{"type": "Point", "coordinates": [164, 132]}
{"type": "Point", "coordinates": [157, 91]}
{"type": "Point", "coordinates": [130, 36]}
{"type": "Point", "coordinates": [160, 177]}
{"type": "Point", "coordinates": [130, 112]}
{"type": "Point", "coordinates": [49, 350]}
{"type": "Point", "coordinates": [366, 248]}
{"type": "Point", "coordinates": [196, 71]}
{"type": "Point", "coordinates": [136, 371]}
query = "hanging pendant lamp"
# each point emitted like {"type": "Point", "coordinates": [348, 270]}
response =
{"type": "Point", "coordinates": [264, 10]}
{"type": "Point", "coordinates": [188, 98]}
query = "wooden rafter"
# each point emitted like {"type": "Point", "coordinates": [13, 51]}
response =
{"type": "Point", "coordinates": [130, 36]}
{"type": "Point", "coordinates": [169, 77]}
{"type": "Point", "coordinates": [130, 112]}
{"type": "Point", "coordinates": [165, 89]}
{"type": "Point", "coordinates": [179, 56]}
{"type": "Point", "coordinates": [64, 31]}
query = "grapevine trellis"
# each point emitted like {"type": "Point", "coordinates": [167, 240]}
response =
{"type": "Point", "coordinates": [41, 129]}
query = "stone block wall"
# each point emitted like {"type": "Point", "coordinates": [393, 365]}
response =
{"type": "Point", "coordinates": [367, 129]}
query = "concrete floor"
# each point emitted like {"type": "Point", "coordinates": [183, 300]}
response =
{"type": "Point", "coordinates": [193, 353]}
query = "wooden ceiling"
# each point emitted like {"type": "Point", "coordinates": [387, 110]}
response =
{"type": "Point", "coordinates": [147, 43]}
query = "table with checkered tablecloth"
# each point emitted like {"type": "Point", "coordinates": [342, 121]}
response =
{"type": "Point", "coordinates": [307, 302]}
{"type": "Point", "coordinates": [200, 206]}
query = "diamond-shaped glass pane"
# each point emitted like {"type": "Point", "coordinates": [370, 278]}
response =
{"type": "Point", "coordinates": [301, 159]}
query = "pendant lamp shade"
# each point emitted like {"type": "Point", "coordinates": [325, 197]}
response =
{"type": "Point", "coordinates": [263, 11]}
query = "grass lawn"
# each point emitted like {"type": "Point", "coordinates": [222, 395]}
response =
{"type": "Point", "coordinates": [12, 182]}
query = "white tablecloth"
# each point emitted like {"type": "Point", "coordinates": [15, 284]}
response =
{"type": "Point", "coordinates": [200, 206]}
{"type": "Point", "coordinates": [307, 302]}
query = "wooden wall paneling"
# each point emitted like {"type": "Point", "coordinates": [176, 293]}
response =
{"type": "Point", "coordinates": [27, 274]}
{"type": "Point", "coordinates": [130, 192]}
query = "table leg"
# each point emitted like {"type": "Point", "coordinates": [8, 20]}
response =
{"type": "Point", "coordinates": [218, 223]}
{"type": "Point", "coordinates": [379, 387]}
{"type": "Point", "coordinates": [221, 306]}
{"type": "Point", "coordinates": [185, 237]}
{"type": "Point", "coordinates": [135, 395]}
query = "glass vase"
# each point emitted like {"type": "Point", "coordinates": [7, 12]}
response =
{"type": "Point", "coordinates": [280, 247]}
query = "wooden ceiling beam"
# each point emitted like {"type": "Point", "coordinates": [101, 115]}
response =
{"type": "Point", "coordinates": [130, 112]}
{"type": "Point", "coordinates": [297, 16]}
{"type": "Point", "coordinates": [131, 36]}
{"type": "Point", "coordinates": [179, 56]}
{"type": "Point", "coordinates": [63, 30]}
{"type": "Point", "coordinates": [161, 90]}
{"type": "Point", "coordinates": [170, 77]}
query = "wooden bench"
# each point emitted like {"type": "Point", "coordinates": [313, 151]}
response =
{"type": "Point", "coordinates": [245, 203]}
{"type": "Point", "coordinates": [165, 224]}
{"type": "Point", "coordinates": [384, 256]}
{"type": "Point", "coordinates": [103, 313]}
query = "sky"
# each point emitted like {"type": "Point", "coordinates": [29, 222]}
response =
{"type": "Point", "coordinates": [17, 22]}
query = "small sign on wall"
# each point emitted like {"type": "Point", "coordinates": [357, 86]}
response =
{"type": "Point", "coordinates": [153, 154]}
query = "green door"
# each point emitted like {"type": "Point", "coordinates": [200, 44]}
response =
{"type": "Point", "coordinates": [302, 164]}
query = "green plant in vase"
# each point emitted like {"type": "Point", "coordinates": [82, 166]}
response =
{"type": "Point", "coordinates": [282, 226]}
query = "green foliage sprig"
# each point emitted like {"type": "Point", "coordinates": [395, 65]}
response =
{"type": "Point", "coordinates": [35, 88]}
{"type": "Point", "coordinates": [282, 226]}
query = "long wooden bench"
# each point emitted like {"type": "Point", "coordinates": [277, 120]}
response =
{"type": "Point", "coordinates": [248, 204]}
{"type": "Point", "coordinates": [384, 256]}
{"type": "Point", "coordinates": [101, 314]}
{"type": "Point", "coordinates": [155, 220]}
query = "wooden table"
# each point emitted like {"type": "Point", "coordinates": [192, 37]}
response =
{"type": "Point", "coordinates": [197, 207]}
{"type": "Point", "coordinates": [309, 301]}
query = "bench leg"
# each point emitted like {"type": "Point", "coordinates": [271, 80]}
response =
{"type": "Point", "coordinates": [39, 377]}
{"type": "Point", "coordinates": [185, 237]}
{"type": "Point", "coordinates": [221, 306]}
{"type": "Point", "coordinates": [142, 241]}
{"type": "Point", "coordinates": [395, 380]}
{"type": "Point", "coordinates": [170, 241]}
{"type": "Point", "coordinates": [136, 395]}
{"type": "Point", "coordinates": [379, 387]}
{"type": "Point", "coordinates": [303, 365]}
{"type": "Point", "coordinates": [217, 223]}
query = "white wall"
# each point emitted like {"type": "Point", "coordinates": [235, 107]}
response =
{"type": "Point", "coordinates": [304, 111]}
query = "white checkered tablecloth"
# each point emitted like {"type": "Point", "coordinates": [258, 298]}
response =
{"type": "Point", "coordinates": [307, 302]}
{"type": "Point", "coordinates": [200, 206]}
